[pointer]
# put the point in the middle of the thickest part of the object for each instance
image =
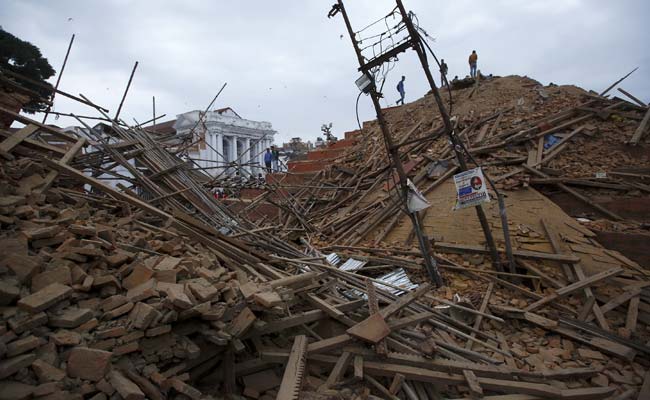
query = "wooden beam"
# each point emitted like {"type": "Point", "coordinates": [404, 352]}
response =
{"type": "Point", "coordinates": [465, 248]}
{"type": "Point", "coordinates": [47, 128]}
{"type": "Point", "coordinates": [293, 373]}
{"type": "Point", "coordinates": [637, 101]}
{"type": "Point", "coordinates": [638, 134]}
{"type": "Point", "coordinates": [479, 318]}
{"type": "Point", "coordinates": [339, 369]}
{"type": "Point", "coordinates": [475, 389]}
{"type": "Point", "coordinates": [567, 290]}
{"type": "Point", "coordinates": [69, 156]}
{"type": "Point", "coordinates": [404, 300]}
{"type": "Point", "coordinates": [14, 140]}
{"type": "Point", "coordinates": [632, 314]}
{"type": "Point", "coordinates": [577, 195]}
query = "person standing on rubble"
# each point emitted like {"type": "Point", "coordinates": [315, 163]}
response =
{"type": "Point", "coordinates": [268, 159]}
{"type": "Point", "coordinates": [275, 157]}
{"type": "Point", "coordinates": [443, 71]}
{"type": "Point", "coordinates": [400, 89]}
{"type": "Point", "coordinates": [473, 58]}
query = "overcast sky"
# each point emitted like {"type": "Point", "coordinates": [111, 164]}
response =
{"type": "Point", "coordinates": [285, 62]}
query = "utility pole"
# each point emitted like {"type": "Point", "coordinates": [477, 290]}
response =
{"type": "Point", "coordinates": [416, 43]}
{"type": "Point", "coordinates": [425, 245]}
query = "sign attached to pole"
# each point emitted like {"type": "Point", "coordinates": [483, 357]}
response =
{"type": "Point", "coordinates": [471, 188]}
{"type": "Point", "coordinates": [416, 200]}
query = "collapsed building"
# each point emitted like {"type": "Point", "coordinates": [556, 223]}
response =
{"type": "Point", "coordinates": [315, 286]}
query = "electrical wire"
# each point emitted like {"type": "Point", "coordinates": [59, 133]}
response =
{"type": "Point", "coordinates": [358, 120]}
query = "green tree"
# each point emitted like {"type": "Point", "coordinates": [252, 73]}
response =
{"type": "Point", "coordinates": [26, 59]}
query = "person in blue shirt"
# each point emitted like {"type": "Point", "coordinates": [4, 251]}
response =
{"type": "Point", "coordinates": [268, 158]}
{"type": "Point", "coordinates": [400, 89]}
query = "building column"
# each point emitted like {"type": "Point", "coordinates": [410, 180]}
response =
{"type": "Point", "coordinates": [260, 155]}
{"type": "Point", "coordinates": [218, 145]}
{"type": "Point", "coordinates": [247, 156]}
{"type": "Point", "coordinates": [233, 149]}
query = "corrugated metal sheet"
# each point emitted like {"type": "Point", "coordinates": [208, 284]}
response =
{"type": "Point", "coordinates": [399, 278]}
{"type": "Point", "coordinates": [352, 265]}
{"type": "Point", "coordinates": [333, 259]}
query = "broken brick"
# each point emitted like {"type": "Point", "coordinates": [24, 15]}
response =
{"type": "Point", "coordinates": [45, 298]}
{"type": "Point", "coordinates": [88, 364]}
{"type": "Point", "coordinates": [125, 387]}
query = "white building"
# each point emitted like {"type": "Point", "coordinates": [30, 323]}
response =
{"type": "Point", "coordinates": [224, 141]}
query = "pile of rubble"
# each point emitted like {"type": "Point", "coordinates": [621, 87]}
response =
{"type": "Point", "coordinates": [158, 290]}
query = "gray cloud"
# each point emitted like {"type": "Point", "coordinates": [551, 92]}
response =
{"type": "Point", "coordinates": [286, 63]}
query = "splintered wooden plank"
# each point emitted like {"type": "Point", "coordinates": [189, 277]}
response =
{"type": "Point", "coordinates": [405, 300]}
{"type": "Point", "coordinates": [637, 101]}
{"type": "Point", "coordinates": [540, 151]}
{"type": "Point", "coordinates": [567, 290]}
{"type": "Point", "coordinates": [325, 345]}
{"type": "Point", "coordinates": [339, 369]}
{"type": "Point", "coordinates": [242, 322]}
{"type": "Point", "coordinates": [293, 372]}
{"type": "Point", "coordinates": [396, 384]}
{"type": "Point", "coordinates": [413, 319]}
{"type": "Point", "coordinates": [496, 385]}
{"type": "Point", "coordinates": [479, 319]}
{"type": "Point", "coordinates": [475, 389]}
{"type": "Point", "coordinates": [380, 388]}
{"type": "Point", "coordinates": [69, 156]}
{"type": "Point", "coordinates": [47, 128]}
{"type": "Point", "coordinates": [600, 317]}
{"type": "Point", "coordinates": [617, 301]}
{"type": "Point", "coordinates": [465, 248]}
{"type": "Point", "coordinates": [638, 134]}
{"type": "Point", "coordinates": [632, 314]}
{"type": "Point", "coordinates": [644, 392]}
{"type": "Point", "coordinates": [554, 239]}
{"type": "Point", "coordinates": [14, 140]}
{"type": "Point", "coordinates": [358, 367]}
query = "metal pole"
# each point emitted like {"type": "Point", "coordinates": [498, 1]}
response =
{"type": "Point", "coordinates": [58, 79]}
{"type": "Point", "coordinates": [153, 98]}
{"type": "Point", "coordinates": [417, 46]}
{"type": "Point", "coordinates": [128, 85]}
{"type": "Point", "coordinates": [425, 245]}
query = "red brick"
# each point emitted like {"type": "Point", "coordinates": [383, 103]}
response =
{"type": "Point", "coordinates": [88, 364]}
{"type": "Point", "coordinates": [45, 298]}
